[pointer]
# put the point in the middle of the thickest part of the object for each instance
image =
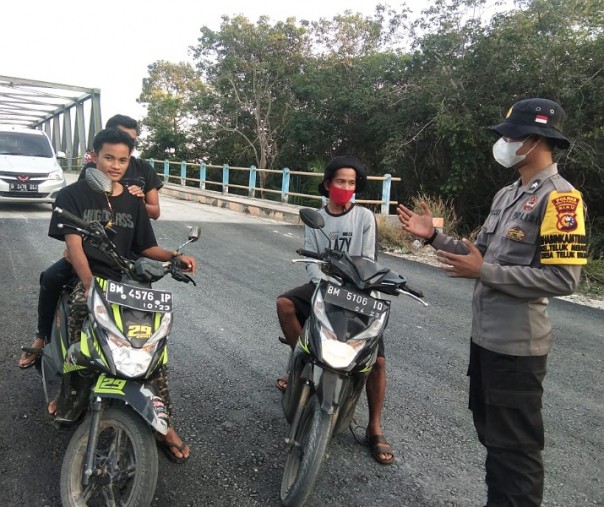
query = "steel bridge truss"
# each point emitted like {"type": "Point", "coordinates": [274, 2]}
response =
{"type": "Point", "coordinates": [58, 109]}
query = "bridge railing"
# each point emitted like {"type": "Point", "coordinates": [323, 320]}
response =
{"type": "Point", "coordinates": [199, 175]}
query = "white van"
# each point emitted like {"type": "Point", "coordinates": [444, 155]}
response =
{"type": "Point", "coordinates": [29, 170]}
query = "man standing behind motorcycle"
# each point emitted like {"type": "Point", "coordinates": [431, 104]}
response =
{"type": "Point", "coordinates": [531, 247]}
{"type": "Point", "coordinates": [133, 237]}
{"type": "Point", "coordinates": [351, 229]}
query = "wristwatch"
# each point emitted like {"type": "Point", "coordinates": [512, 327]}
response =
{"type": "Point", "coordinates": [431, 239]}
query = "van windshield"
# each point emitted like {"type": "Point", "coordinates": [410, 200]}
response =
{"type": "Point", "coordinates": [21, 143]}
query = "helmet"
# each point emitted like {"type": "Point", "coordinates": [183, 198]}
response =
{"type": "Point", "coordinates": [338, 163]}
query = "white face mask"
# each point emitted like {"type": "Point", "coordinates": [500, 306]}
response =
{"type": "Point", "coordinates": [505, 152]}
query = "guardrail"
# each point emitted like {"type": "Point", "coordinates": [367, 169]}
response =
{"type": "Point", "coordinates": [190, 174]}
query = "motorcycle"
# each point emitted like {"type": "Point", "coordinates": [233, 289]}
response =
{"type": "Point", "coordinates": [107, 376]}
{"type": "Point", "coordinates": [333, 357]}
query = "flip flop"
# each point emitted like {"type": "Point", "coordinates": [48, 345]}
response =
{"type": "Point", "coordinates": [379, 445]}
{"type": "Point", "coordinates": [27, 355]}
{"type": "Point", "coordinates": [167, 447]}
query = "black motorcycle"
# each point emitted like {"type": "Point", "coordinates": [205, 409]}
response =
{"type": "Point", "coordinates": [333, 357]}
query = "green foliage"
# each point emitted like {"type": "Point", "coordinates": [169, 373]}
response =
{"type": "Point", "coordinates": [409, 98]}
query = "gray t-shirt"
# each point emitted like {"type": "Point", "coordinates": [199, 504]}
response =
{"type": "Point", "coordinates": [354, 232]}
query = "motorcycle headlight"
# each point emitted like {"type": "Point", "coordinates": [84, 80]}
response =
{"type": "Point", "coordinates": [128, 361]}
{"type": "Point", "coordinates": [337, 354]}
{"type": "Point", "coordinates": [320, 312]}
{"type": "Point", "coordinates": [375, 328]}
{"type": "Point", "coordinates": [162, 331]}
{"type": "Point", "coordinates": [100, 311]}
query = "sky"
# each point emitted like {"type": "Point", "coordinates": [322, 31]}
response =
{"type": "Point", "coordinates": [109, 44]}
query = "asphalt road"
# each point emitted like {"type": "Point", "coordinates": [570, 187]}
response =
{"type": "Point", "coordinates": [225, 358]}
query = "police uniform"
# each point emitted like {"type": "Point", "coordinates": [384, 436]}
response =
{"type": "Point", "coordinates": [533, 244]}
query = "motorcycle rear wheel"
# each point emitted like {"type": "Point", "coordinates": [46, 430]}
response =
{"type": "Point", "coordinates": [306, 455]}
{"type": "Point", "coordinates": [125, 461]}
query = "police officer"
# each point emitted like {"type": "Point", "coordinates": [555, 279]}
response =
{"type": "Point", "coordinates": [531, 247]}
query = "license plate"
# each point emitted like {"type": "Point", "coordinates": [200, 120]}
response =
{"type": "Point", "coordinates": [355, 301]}
{"type": "Point", "coordinates": [23, 187]}
{"type": "Point", "coordinates": [139, 298]}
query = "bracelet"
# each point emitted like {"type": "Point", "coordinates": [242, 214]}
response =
{"type": "Point", "coordinates": [176, 254]}
{"type": "Point", "coordinates": [431, 239]}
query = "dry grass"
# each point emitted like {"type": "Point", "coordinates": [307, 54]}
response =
{"type": "Point", "coordinates": [391, 235]}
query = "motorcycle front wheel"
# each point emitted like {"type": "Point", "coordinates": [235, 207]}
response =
{"type": "Point", "coordinates": [124, 467]}
{"type": "Point", "coordinates": [306, 454]}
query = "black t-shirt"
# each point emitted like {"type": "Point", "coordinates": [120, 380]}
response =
{"type": "Point", "coordinates": [132, 226]}
{"type": "Point", "coordinates": [139, 173]}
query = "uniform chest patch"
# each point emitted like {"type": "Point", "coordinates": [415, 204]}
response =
{"type": "Point", "coordinates": [515, 233]}
{"type": "Point", "coordinates": [530, 204]}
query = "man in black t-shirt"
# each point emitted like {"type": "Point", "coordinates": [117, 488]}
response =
{"type": "Point", "coordinates": [133, 232]}
{"type": "Point", "coordinates": [141, 181]}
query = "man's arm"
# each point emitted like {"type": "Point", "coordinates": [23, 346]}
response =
{"type": "Point", "coordinates": [152, 203]}
{"type": "Point", "coordinates": [161, 254]}
{"type": "Point", "coordinates": [311, 244]}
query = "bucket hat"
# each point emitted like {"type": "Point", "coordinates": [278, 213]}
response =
{"type": "Point", "coordinates": [534, 116]}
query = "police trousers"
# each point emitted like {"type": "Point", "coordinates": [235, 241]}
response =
{"type": "Point", "coordinates": [505, 400]}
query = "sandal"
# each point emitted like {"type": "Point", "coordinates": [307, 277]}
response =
{"type": "Point", "coordinates": [167, 447]}
{"type": "Point", "coordinates": [281, 383]}
{"type": "Point", "coordinates": [379, 445]}
{"type": "Point", "coordinates": [30, 354]}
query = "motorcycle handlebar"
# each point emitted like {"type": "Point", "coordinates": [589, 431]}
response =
{"type": "Point", "coordinates": [82, 224]}
{"type": "Point", "coordinates": [309, 253]}
{"type": "Point", "coordinates": [416, 292]}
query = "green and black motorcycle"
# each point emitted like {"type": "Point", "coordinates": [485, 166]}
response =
{"type": "Point", "coordinates": [333, 357]}
{"type": "Point", "coordinates": [107, 378]}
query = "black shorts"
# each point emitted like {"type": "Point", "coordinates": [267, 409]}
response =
{"type": "Point", "coordinates": [301, 296]}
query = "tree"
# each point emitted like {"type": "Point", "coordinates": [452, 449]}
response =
{"type": "Point", "coordinates": [248, 69]}
{"type": "Point", "coordinates": [170, 94]}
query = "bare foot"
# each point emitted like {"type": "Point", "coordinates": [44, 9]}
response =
{"type": "Point", "coordinates": [52, 408]}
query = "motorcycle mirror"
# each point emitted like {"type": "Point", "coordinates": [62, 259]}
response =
{"type": "Point", "coordinates": [194, 233]}
{"type": "Point", "coordinates": [312, 218]}
{"type": "Point", "coordinates": [98, 181]}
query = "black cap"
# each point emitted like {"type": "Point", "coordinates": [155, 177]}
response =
{"type": "Point", "coordinates": [338, 163]}
{"type": "Point", "coordinates": [534, 116]}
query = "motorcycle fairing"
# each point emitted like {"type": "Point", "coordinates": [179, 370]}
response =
{"type": "Point", "coordinates": [346, 324]}
{"type": "Point", "coordinates": [95, 342]}
{"type": "Point", "coordinates": [141, 396]}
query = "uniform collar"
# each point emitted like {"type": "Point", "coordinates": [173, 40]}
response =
{"type": "Point", "coordinates": [533, 185]}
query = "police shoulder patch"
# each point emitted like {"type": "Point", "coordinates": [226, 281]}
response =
{"type": "Point", "coordinates": [563, 239]}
